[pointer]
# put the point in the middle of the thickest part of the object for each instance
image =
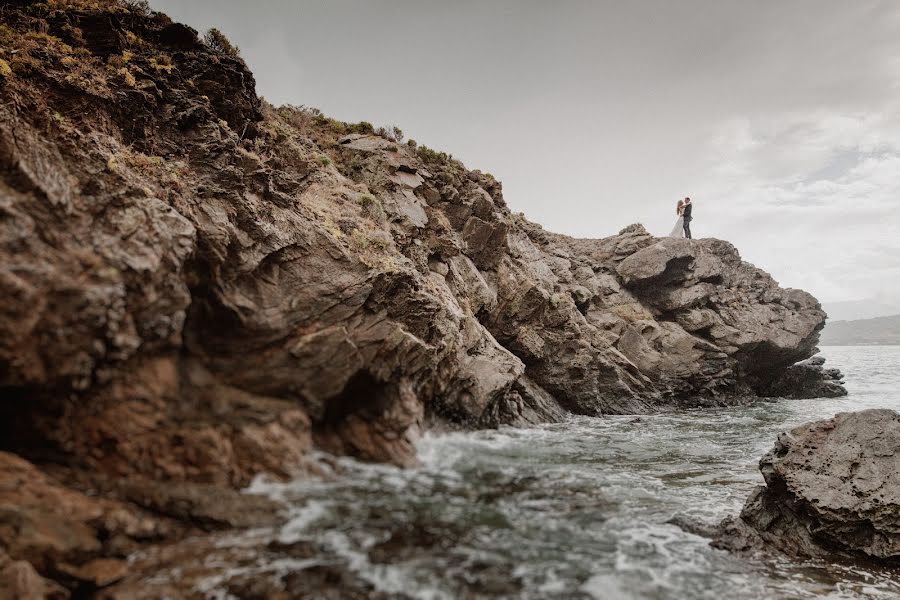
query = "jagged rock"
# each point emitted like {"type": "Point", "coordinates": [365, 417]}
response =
{"type": "Point", "coordinates": [527, 404]}
{"type": "Point", "coordinates": [63, 533]}
{"type": "Point", "coordinates": [710, 293]}
{"type": "Point", "coordinates": [251, 258]}
{"type": "Point", "coordinates": [807, 379]}
{"type": "Point", "coordinates": [19, 581]}
{"type": "Point", "coordinates": [832, 489]}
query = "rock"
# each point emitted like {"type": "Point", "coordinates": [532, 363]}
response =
{"type": "Point", "coordinates": [484, 241]}
{"type": "Point", "coordinates": [19, 581]}
{"type": "Point", "coordinates": [63, 533]}
{"type": "Point", "coordinates": [582, 297]}
{"type": "Point", "coordinates": [199, 287]}
{"type": "Point", "coordinates": [527, 404]}
{"type": "Point", "coordinates": [714, 296]}
{"type": "Point", "coordinates": [207, 506]}
{"type": "Point", "coordinates": [832, 489]}
{"type": "Point", "coordinates": [667, 261]}
{"type": "Point", "coordinates": [807, 379]}
{"type": "Point", "coordinates": [270, 277]}
{"type": "Point", "coordinates": [99, 572]}
{"type": "Point", "coordinates": [178, 571]}
{"type": "Point", "coordinates": [694, 526]}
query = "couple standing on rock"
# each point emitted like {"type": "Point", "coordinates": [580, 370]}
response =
{"type": "Point", "coordinates": [683, 224]}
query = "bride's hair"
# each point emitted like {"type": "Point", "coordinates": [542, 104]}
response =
{"type": "Point", "coordinates": [680, 205]}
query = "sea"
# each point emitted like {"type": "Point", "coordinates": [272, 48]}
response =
{"type": "Point", "coordinates": [587, 508]}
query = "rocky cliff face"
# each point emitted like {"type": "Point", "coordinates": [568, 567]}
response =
{"type": "Point", "coordinates": [200, 287]}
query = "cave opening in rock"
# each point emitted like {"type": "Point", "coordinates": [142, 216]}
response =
{"type": "Point", "coordinates": [24, 418]}
{"type": "Point", "coordinates": [363, 395]}
{"type": "Point", "coordinates": [716, 279]}
{"type": "Point", "coordinates": [209, 324]}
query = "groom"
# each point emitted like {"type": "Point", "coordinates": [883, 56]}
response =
{"type": "Point", "coordinates": [687, 217]}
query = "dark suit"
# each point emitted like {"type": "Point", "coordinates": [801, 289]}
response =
{"type": "Point", "coordinates": [687, 220]}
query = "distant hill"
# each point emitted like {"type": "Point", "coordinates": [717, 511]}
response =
{"type": "Point", "coordinates": [853, 310]}
{"type": "Point", "coordinates": [881, 331]}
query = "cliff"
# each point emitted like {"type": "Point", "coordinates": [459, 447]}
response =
{"type": "Point", "coordinates": [199, 287]}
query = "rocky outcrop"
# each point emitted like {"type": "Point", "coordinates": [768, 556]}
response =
{"type": "Point", "coordinates": [60, 533]}
{"type": "Point", "coordinates": [82, 539]}
{"type": "Point", "coordinates": [807, 379]}
{"type": "Point", "coordinates": [200, 287]}
{"type": "Point", "coordinates": [19, 580]}
{"type": "Point", "coordinates": [832, 489]}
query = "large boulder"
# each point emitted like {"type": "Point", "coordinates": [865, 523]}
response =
{"type": "Point", "coordinates": [832, 488]}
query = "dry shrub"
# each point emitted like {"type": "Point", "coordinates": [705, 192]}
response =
{"type": "Point", "coordinates": [217, 42]}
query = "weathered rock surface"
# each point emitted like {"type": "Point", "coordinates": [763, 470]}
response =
{"type": "Point", "coordinates": [832, 489]}
{"type": "Point", "coordinates": [199, 287]}
{"type": "Point", "coordinates": [807, 379]}
{"type": "Point", "coordinates": [79, 540]}
{"type": "Point", "coordinates": [19, 581]}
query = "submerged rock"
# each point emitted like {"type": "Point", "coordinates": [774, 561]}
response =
{"type": "Point", "coordinates": [832, 489]}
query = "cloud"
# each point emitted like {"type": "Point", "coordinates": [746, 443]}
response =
{"type": "Point", "coordinates": [827, 184]}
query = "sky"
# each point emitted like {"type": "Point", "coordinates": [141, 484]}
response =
{"type": "Point", "coordinates": [780, 119]}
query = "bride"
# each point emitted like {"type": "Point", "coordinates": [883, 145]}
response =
{"type": "Point", "coordinates": [678, 231]}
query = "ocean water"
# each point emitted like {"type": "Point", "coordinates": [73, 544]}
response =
{"type": "Point", "coordinates": [580, 509]}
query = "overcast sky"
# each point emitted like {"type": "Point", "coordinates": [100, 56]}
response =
{"type": "Point", "coordinates": [781, 119]}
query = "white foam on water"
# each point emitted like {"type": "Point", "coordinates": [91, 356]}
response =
{"type": "Point", "coordinates": [552, 583]}
{"type": "Point", "coordinates": [605, 587]}
{"type": "Point", "coordinates": [389, 579]}
{"type": "Point", "coordinates": [300, 519]}
{"type": "Point", "coordinates": [443, 451]}
{"type": "Point", "coordinates": [243, 539]}
{"type": "Point", "coordinates": [579, 505]}
{"type": "Point", "coordinates": [211, 586]}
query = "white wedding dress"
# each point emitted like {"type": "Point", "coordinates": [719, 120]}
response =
{"type": "Point", "coordinates": [679, 228]}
